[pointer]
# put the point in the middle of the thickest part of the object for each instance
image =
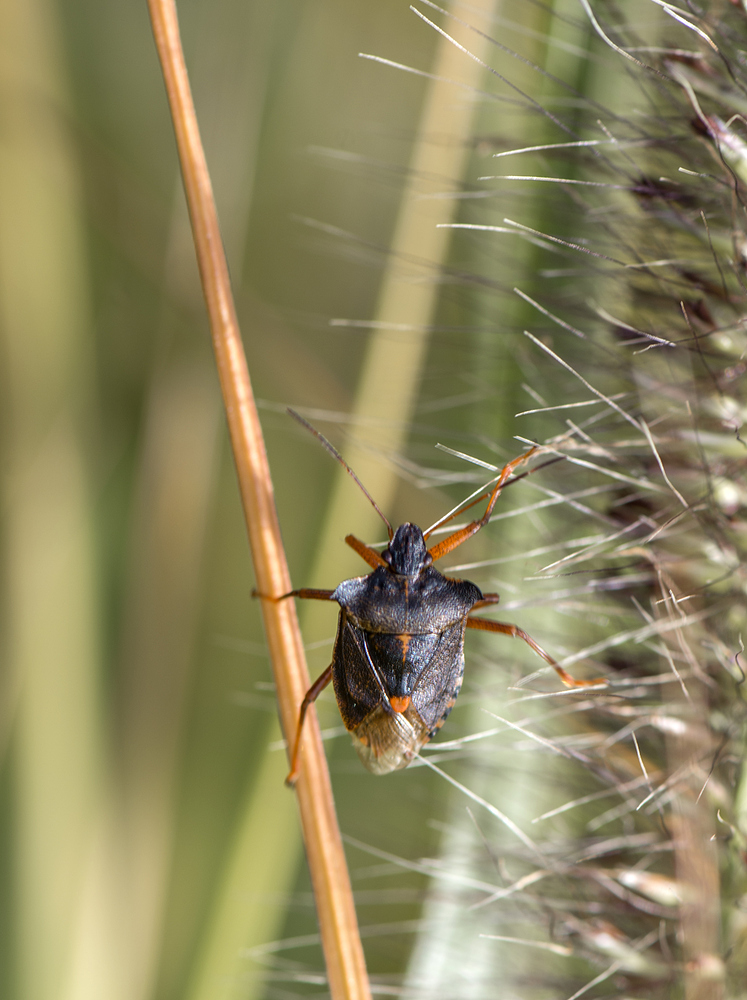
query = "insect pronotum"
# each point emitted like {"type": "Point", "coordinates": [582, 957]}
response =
{"type": "Point", "coordinates": [398, 657]}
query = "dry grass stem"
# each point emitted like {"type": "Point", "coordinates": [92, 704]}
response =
{"type": "Point", "coordinates": [337, 919]}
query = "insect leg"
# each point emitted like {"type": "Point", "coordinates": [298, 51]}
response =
{"type": "Point", "coordinates": [486, 625]}
{"type": "Point", "coordinates": [310, 697]}
{"type": "Point", "coordinates": [304, 592]}
{"type": "Point", "coordinates": [484, 496]}
{"type": "Point", "coordinates": [371, 556]}
{"type": "Point", "coordinates": [486, 600]}
{"type": "Point", "coordinates": [448, 544]}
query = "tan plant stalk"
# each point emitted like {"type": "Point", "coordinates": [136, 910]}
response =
{"type": "Point", "coordinates": [337, 920]}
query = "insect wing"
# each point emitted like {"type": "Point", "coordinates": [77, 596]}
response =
{"type": "Point", "coordinates": [355, 683]}
{"type": "Point", "coordinates": [385, 740]}
{"type": "Point", "coordinates": [440, 679]}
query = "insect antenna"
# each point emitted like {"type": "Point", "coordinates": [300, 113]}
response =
{"type": "Point", "coordinates": [333, 451]}
{"type": "Point", "coordinates": [483, 494]}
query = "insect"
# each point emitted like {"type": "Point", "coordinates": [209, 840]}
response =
{"type": "Point", "coordinates": [398, 657]}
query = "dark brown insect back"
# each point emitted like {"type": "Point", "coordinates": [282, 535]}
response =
{"type": "Point", "coordinates": [398, 657]}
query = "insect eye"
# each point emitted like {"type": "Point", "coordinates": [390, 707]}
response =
{"type": "Point", "coordinates": [387, 557]}
{"type": "Point", "coordinates": [428, 561]}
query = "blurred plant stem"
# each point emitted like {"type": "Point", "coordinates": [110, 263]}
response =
{"type": "Point", "coordinates": [66, 943]}
{"type": "Point", "coordinates": [261, 859]}
{"type": "Point", "coordinates": [390, 377]}
{"type": "Point", "coordinates": [177, 478]}
{"type": "Point", "coordinates": [452, 939]}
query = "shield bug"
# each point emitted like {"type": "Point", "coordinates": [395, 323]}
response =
{"type": "Point", "coordinates": [398, 657]}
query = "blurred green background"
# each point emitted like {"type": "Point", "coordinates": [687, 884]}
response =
{"type": "Point", "coordinates": [148, 848]}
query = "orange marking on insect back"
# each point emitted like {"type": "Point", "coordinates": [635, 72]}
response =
{"type": "Point", "coordinates": [405, 640]}
{"type": "Point", "coordinates": [400, 705]}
